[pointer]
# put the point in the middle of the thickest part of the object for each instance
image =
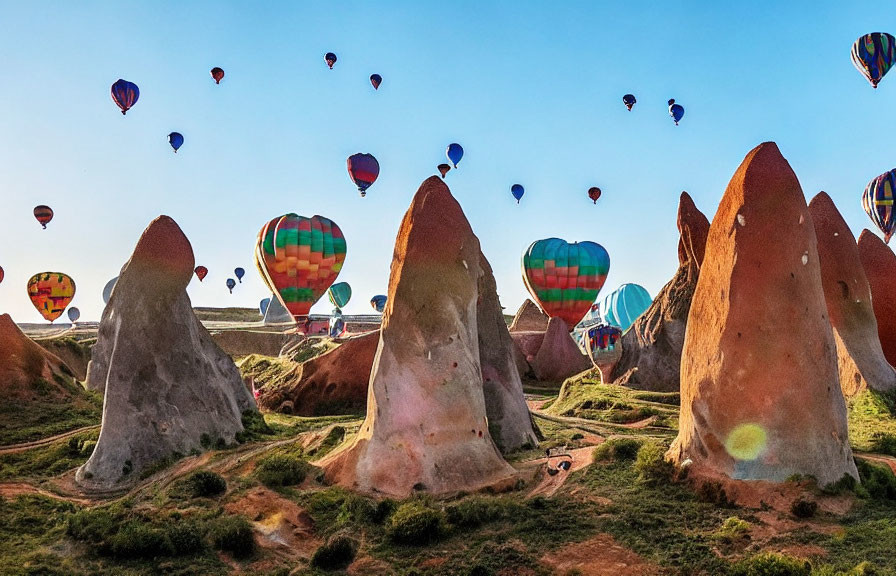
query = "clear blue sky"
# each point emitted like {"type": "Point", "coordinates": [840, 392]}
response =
{"type": "Point", "coordinates": [531, 90]}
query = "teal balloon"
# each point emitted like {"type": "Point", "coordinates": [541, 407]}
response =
{"type": "Point", "coordinates": [622, 307]}
{"type": "Point", "coordinates": [339, 294]}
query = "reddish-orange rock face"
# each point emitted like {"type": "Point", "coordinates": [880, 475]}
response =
{"type": "Point", "coordinates": [760, 392]}
{"type": "Point", "coordinates": [26, 369]}
{"type": "Point", "coordinates": [879, 264]}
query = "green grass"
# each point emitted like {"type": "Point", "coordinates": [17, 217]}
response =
{"type": "Point", "coordinates": [50, 460]}
{"type": "Point", "coordinates": [26, 421]}
{"type": "Point", "coordinates": [587, 398]}
{"type": "Point", "coordinates": [872, 425]}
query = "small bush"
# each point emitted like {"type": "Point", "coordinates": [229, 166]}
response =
{"type": "Point", "coordinates": [205, 484]}
{"type": "Point", "coordinates": [883, 443]}
{"type": "Point", "coordinates": [254, 427]}
{"type": "Point", "coordinates": [364, 510]}
{"type": "Point", "coordinates": [282, 470]}
{"type": "Point", "coordinates": [804, 508]}
{"type": "Point", "coordinates": [474, 512]}
{"type": "Point", "coordinates": [577, 436]}
{"type": "Point", "coordinates": [732, 530]}
{"type": "Point", "coordinates": [841, 486]}
{"type": "Point", "coordinates": [772, 565]}
{"type": "Point", "coordinates": [878, 482]}
{"type": "Point", "coordinates": [137, 539]}
{"type": "Point", "coordinates": [714, 493]}
{"type": "Point", "coordinates": [337, 553]}
{"type": "Point", "coordinates": [92, 526]}
{"type": "Point", "coordinates": [233, 534]}
{"type": "Point", "coordinates": [186, 537]}
{"type": "Point", "coordinates": [416, 524]}
{"type": "Point", "coordinates": [617, 449]}
{"type": "Point", "coordinates": [652, 466]}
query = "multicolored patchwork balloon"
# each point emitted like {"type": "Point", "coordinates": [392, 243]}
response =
{"type": "Point", "coordinates": [125, 94]}
{"type": "Point", "coordinates": [873, 55]}
{"type": "Point", "coordinates": [339, 294]}
{"type": "Point", "coordinates": [565, 278]}
{"type": "Point", "coordinates": [623, 306]}
{"type": "Point", "coordinates": [51, 293]}
{"type": "Point", "coordinates": [877, 200]}
{"type": "Point", "coordinates": [299, 258]}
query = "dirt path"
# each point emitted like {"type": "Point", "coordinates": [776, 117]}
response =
{"type": "Point", "coordinates": [880, 459]}
{"type": "Point", "coordinates": [599, 556]}
{"type": "Point", "coordinates": [548, 485]}
{"type": "Point", "coordinates": [13, 448]}
{"type": "Point", "coordinates": [16, 489]}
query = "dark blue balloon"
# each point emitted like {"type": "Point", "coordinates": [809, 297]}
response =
{"type": "Point", "coordinates": [125, 94]}
{"type": "Point", "coordinates": [378, 302]}
{"type": "Point", "coordinates": [676, 111]}
{"type": "Point", "coordinates": [176, 139]}
{"type": "Point", "coordinates": [231, 283]}
{"type": "Point", "coordinates": [517, 192]}
{"type": "Point", "coordinates": [239, 272]}
{"type": "Point", "coordinates": [263, 306]}
{"type": "Point", "coordinates": [455, 152]}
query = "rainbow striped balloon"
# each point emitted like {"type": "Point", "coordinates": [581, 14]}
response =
{"type": "Point", "coordinates": [299, 258]}
{"type": "Point", "coordinates": [873, 55]}
{"type": "Point", "coordinates": [877, 200]}
{"type": "Point", "coordinates": [565, 278]}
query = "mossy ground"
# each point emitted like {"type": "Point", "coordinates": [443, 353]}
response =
{"type": "Point", "coordinates": [672, 525]}
{"type": "Point", "coordinates": [49, 415]}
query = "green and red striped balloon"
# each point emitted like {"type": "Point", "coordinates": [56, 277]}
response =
{"type": "Point", "coordinates": [299, 258]}
{"type": "Point", "coordinates": [565, 278]}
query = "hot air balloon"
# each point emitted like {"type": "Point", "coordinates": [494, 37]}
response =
{"type": "Point", "coordinates": [623, 306]}
{"type": "Point", "coordinates": [676, 111]}
{"type": "Point", "coordinates": [330, 59]}
{"type": "Point", "coordinates": [299, 258]}
{"type": "Point", "coordinates": [125, 94]}
{"type": "Point", "coordinates": [73, 315]}
{"type": "Point", "coordinates": [217, 74]}
{"type": "Point", "coordinates": [594, 193]}
{"type": "Point", "coordinates": [877, 200]}
{"type": "Point", "coordinates": [379, 303]}
{"type": "Point", "coordinates": [454, 153]}
{"type": "Point", "coordinates": [51, 293]}
{"type": "Point", "coordinates": [443, 169]}
{"type": "Point", "coordinates": [107, 289]}
{"type": "Point", "coordinates": [43, 214]}
{"type": "Point", "coordinates": [201, 272]}
{"type": "Point", "coordinates": [339, 294]}
{"type": "Point", "coordinates": [565, 278]}
{"type": "Point", "coordinates": [2, 274]}
{"type": "Point", "coordinates": [376, 80]}
{"type": "Point", "coordinates": [363, 170]}
{"type": "Point", "coordinates": [231, 284]}
{"type": "Point", "coordinates": [176, 139]}
{"type": "Point", "coordinates": [517, 192]}
{"type": "Point", "coordinates": [337, 324]}
{"type": "Point", "coordinates": [629, 101]}
{"type": "Point", "coordinates": [239, 273]}
{"type": "Point", "coordinates": [263, 305]}
{"type": "Point", "coordinates": [873, 55]}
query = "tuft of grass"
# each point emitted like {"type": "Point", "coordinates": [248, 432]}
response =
{"type": "Point", "coordinates": [802, 508]}
{"type": "Point", "coordinates": [337, 553]}
{"type": "Point", "coordinates": [205, 484]}
{"type": "Point", "coordinates": [772, 565]}
{"type": "Point", "coordinates": [415, 523]}
{"type": "Point", "coordinates": [617, 449]}
{"type": "Point", "coordinates": [283, 468]}
{"type": "Point", "coordinates": [652, 466]}
{"type": "Point", "coordinates": [232, 534]}
{"type": "Point", "coordinates": [733, 529]}
{"type": "Point", "coordinates": [872, 421]}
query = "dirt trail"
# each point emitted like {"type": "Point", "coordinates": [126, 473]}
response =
{"type": "Point", "coordinates": [599, 556]}
{"type": "Point", "coordinates": [548, 485]}
{"type": "Point", "coordinates": [16, 489]}
{"type": "Point", "coordinates": [13, 448]}
{"type": "Point", "coordinates": [880, 459]}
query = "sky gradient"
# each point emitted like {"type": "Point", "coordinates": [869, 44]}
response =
{"type": "Point", "coordinates": [533, 92]}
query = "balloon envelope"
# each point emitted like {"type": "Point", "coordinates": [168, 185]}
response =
{"type": "Point", "coordinates": [594, 193]}
{"type": "Point", "coordinates": [2, 274]}
{"type": "Point", "coordinates": [629, 100]}
{"type": "Point", "coordinates": [239, 273]}
{"type": "Point", "coordinates": [217, 74]}
{"type": "Point", "coordinates": [125, 94]}
{"type": "Point", "coordinates": [454, 153]}
{"type": "Point", "coordinates": [201, 272]}
{"type": "Point", "coordinates": [107, 289]}
{"type": "Point", "coordinates": [622, 307]}
{"type": "Point", "coordinates": [565, 278]}
{"type": "Point", "coordinates": [330, 59]}
{"type": "Point", "coordinates": [443, 169]}
{"type": "Point", "coordinates": [363, 170]}
{"type": "Point", "coordinates": [231, 283]}
{"type": "Point", "coordinates": [877, 200]}
{"type": "Point", "coordinates": [379, 302]}
{"type": "Point", "coordinates": [676, 111]}
{"type": "Point", "coordinates": [873, 55]}
{"type": "Point", "coordinates": [337, 324]}
{"type": "Point", "coordinates": [339, 294]}
{"type": "Point", "coordinates": [74, 314]}
{"type": "Point", "coordinates": [517, 192]}
{"type": "Point", "coordinates": [43, 214]}
{"type": "Point", "coordinates": [263, 306]}
{"type": "Point", "coordinates": [176, 140]}
{"type": "Point", "coordinates": [51, 293]}
{"type": "Point", "coordinates": [299, 258]}
{"type": "Point", "coordinates": [376, 80]}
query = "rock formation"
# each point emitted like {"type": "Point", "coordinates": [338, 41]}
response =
{"type": "Point", "coordinates": [332, 383]}
{"type": "Point", "coordinates": [651, 349]}
{"type": "Point", "coordinates": [508, 415]}
{"type": "Point", "coordinates": [760, 392]}
{"type": "Point", "coordinates": [27, 371]}
{"type": "Point", "coordinates": [75, 355]}
{"type": "Point", "coordinates": [558, 357]}
{"type": "Point", "coordinates": [879, 264]}
{"type": "Point", "coordinates": [848, 296]}
{"type": "Point", "coordinates": [426, 425]}
{"type": "Point", "coordinates": [169, 390]}
{"type": "Point", "coordinates": [529, 318]}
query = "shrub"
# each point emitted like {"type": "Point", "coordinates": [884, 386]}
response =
{"type": "Point", "coordinates": [204, 484]}
{"type": "Point", "coordinates": [652, 465]}
{"type": "Point", "coordinates": [92, 526]}
{"type": "Point", "coordinates": [233, 534]}
{"type": "Point", "coordinates": [772, 565]}
{"type": "Point", "coordinates": [474, 512]}
{"type": "Point", "coordinates": [733, 529]}
{"type": "Point", "coordinates": [617, 449]}
{"type": "Point", "coordinates": [186, 537]}
{"type": "Point", "coordinates": [282, 470]}
{"type": "Point", "coordinates": [714, 493]}
{"type": "Point", "coordinates": [883, 443]}
{"type": "Point", "coordinates": [337, 553]}
{"type": "Point", "coordinates": [803, 508]}
{"type": "Point", "coordinates": [254, 427]}
{"type": "Point", "coordinates": [877, 481]}
{"type": "Point", "coordinates": [364, 510]}
{"type": "Point", "coordinates": [845, 484]}
{"type": "Point", "coordinates": [416, 524]}
{"type": "Point", "coordinates": [137, 539]}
